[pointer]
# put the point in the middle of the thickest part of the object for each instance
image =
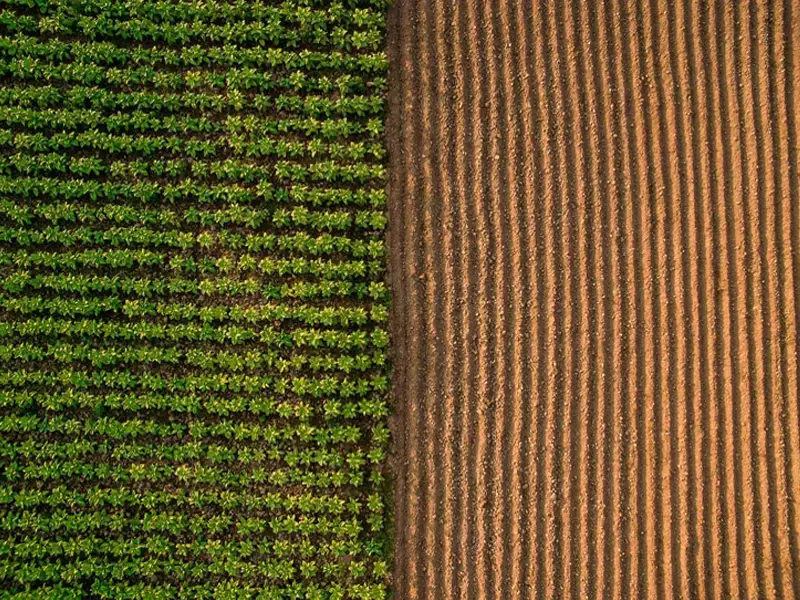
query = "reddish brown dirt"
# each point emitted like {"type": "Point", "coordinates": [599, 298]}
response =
{"type": "Point", "coordinates": [595, 255]}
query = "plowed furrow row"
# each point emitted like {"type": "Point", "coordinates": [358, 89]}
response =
{"type": "Point", "coordinates": [595, 235]}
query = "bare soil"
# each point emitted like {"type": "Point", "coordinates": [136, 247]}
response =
{"type": "Point", "coordinates": [595, 259]}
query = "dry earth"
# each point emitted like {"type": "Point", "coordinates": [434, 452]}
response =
{"type": "Point", "coordinates": [595, 236]}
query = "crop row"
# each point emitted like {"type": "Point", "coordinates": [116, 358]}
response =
{"type": "Point", "coordinates": [233, 429]}
{"type": "Point", "coordinates": [193, 300]}
{"type": "Point", "coordinates": [280, 27]}
{"type": "Point", "coordinates": [139, 120]}
{"type": "Point", "coordinates": [329, 316]}
{"type": "Point", "coordinates": [196, 500]}
{"type": "Point", "coordinates": [226, 590]}
{"type": "Point", "coordinates": [193, 58]}
{"type": "Point", "coordinates": [151, 192]}
{"type": "Point", "coordinates": [314, 92]}
{"type": "Point", "coordinates": [309, 338]}
{"type": "Point", "coordinates": [195, 404]}
{"type": "Point", "coordinates": [301, 337]}
{"type": "Point", "coordinates": [141, 258]}
{"type": "Point", "coordinates": [222, 239]}
{"type": "Point", "coordinates": [210, 10]}
{"type": "Point", "coordinates": [23, 281]}
{"type": "Point", "coordinates": [162, 545]}
{"type": "Point", "coordinates": [115, 214]}
{"type": "Point", "coordinates": [24, 164]}
{"type": "Point", "coordinates": [238, 216]}
{"type": "Point", "coordinates": [173, 149]}
{"type": "Point", "coordinates": [222, 360]}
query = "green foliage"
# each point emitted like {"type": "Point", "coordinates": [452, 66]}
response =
{"type": "Point", "coordinates": [193, 308]}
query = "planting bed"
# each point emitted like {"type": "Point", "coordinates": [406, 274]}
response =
{"type": "Point", "coordinates": [595, 242]}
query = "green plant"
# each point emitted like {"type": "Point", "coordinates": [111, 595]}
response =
{"type": "Point", "coordinates": [193, 313]}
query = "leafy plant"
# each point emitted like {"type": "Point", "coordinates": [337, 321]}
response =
{"type": "Point", "coordinates": [193, 306]}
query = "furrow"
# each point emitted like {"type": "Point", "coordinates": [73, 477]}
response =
{"type": "Point", "coordinates": [594, 255]}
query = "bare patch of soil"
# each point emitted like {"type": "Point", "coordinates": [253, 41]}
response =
{"type": "Point", "coordinates": [595, 258]}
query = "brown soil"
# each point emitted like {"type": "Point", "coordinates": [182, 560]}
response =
{"type": "Point", "coordinates": [595, 238]}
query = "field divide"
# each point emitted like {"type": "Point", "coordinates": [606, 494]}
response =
{"type": "Point", "coordinates": [595, 263]}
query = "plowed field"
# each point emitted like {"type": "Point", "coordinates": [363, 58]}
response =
{"type": "Point", "coordinates": [595, 237]}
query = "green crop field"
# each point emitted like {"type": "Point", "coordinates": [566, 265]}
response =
{"type": "Point", "coordinates": [193, 307]}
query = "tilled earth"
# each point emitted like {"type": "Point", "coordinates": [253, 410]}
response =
{"type": "Point", "coordinates": [595, 234]}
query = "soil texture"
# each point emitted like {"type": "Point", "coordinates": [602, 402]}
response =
{"type": "Point", "coordinates": [595, 259]}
